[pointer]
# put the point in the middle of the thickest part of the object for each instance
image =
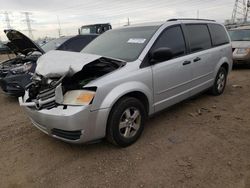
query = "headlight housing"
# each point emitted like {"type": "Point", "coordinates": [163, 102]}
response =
{"type": "Point", "coordinates": [22, 69]}
{"type": "Point", "coordinates": [243, 51]}
{"type": "Point", "coordinates": [78, 97]}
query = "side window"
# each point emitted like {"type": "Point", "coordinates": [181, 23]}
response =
{"type": "Point", "coordinates": [75, 44]}
{"type": "Point", "coordinates": [172, 38]}
{"type": "Point", "coordinates": [199, 37]}
{"type": "Point", "coordinates": [218, 34]}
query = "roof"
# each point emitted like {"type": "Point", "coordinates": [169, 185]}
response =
{"type": "Point", "coordinates": [147, 24]}
{"type": "Point", "coordinates": [96, 24]}
{"type": "Point", "coordinates": [190, 19]}
{"type": "Point", "coordinates": [184, 20]}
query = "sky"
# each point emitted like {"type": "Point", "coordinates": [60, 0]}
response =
{"type": "Point", "coordinates": [47, 15]}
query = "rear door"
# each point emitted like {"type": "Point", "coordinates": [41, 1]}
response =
{"type": "Point", "coordinates": [202, 56]}
{"type": "Point", "coordinates": [171, 78]}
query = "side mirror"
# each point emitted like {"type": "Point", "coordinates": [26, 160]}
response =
{"type": "Point", "coordinates": [160, 55]}
{"type": "Point", "coordinates": [79, 31]}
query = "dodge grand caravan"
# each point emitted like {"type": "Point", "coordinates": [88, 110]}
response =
{"type": "Point", "coordinates": [125, 75]}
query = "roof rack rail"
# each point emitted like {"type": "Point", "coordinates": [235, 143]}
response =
{"type": "Point", "coordinates": [176, 19]}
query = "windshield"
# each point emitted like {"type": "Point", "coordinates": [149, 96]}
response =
{"type": "Point", "coordinates": [240, 35]}
{"type": "Point", "coordinates": [88, 30]}
{"type": "Point", "coordinates": [54, 44]}
{"type": "Point", "coordinates": [125, 44]}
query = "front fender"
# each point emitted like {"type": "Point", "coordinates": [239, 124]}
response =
{"type": "Point", "coordinates": [119, 91]}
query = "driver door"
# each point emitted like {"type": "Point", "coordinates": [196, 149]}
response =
{"type": "Point", "coordinates": [172, 78]}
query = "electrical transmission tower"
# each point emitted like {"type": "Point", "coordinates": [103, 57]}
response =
{"type": "Point", "coordinates": [7, 20]}
{"type": "Point", "coordinates": [239, 11]}
{"type": "Point", "coordinates": [28, 22]}
{"type": "Point", "coordinates": [247, 11]}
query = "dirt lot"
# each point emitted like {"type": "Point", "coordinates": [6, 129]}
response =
{"type": "Point", "coordinates": [203, 142]}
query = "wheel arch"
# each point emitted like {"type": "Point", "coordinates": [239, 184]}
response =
{"type": "Point", "coordinates": [224, 62]}
{"type": "Point", "coordinates": [226, 66]}
{"type": "Point", "coordinates": [137, 90]}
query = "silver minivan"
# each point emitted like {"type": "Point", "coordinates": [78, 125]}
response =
{"type": "Point", "coordinates": [125, 75]}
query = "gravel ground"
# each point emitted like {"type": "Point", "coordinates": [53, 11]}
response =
{"type": "Point", "coordinates": [203, 142]}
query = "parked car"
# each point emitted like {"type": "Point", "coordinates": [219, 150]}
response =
{"type": "Point", "coordinates": [3, 48]}
{"type": "Point", "coordinates": [15, 74]}
{"type": "Point", "coordinates": [124, 76]}
{"type": "Point", "coordinates": [241, 44]}
{"type": "Point", "coordinates": [94, 29]}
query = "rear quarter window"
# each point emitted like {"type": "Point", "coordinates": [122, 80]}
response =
{"type": "Point", "coordinates": [218, 34]}
{"type": "Point", "coordinates": [199, 37]}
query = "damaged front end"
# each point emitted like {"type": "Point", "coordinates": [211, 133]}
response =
{"type": "Point", "coordinates": [71, 88]}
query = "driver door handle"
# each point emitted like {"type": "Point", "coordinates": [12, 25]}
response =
{"type": "Point", "coordinates": [186, 63]}
{"type": "Point", "coordinates": [197, 59]}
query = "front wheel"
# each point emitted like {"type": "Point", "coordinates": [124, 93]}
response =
{"type": "Point", "coordinates": [126, 122]}
{"type": "Point", "coordinates": [220, 82]}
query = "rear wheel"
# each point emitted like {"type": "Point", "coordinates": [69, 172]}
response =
{"type": "Point", "coordinates": [220, 82]}
{"type": "Point", "coordinates": [126, 122]}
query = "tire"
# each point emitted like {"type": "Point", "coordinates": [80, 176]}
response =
{"type": "Point", "coordinates": [219, 83]}
{"type": "Point", "coordinates": [126, 122]}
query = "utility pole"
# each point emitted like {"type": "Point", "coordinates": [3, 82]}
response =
{"type": "Point", "coordinates": [59, 27]}
{"type": "Point", "coordinates": [239, 11]}
{"type": "Point", "coordinates": [198, 14]}
{"type": "Point", "coordinates": [128, 22]}
{"type": "Point", "coordinates": [28, 22]}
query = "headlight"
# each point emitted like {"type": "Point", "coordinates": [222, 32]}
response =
{"type": "Point", "coordinates": [78, 97]}
{"type": "Point", "coordinates": [22, 69]}
{"type": "Point", "coordinates": [243, 51]}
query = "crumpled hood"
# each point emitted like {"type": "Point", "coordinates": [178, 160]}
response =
{"type": "Point", "coordinates": [241, 44]}
{"type": "Point", "coordinates": [58, 63]}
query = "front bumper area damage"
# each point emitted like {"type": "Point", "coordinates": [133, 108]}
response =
{"type": "Point", "coordinates": [44, 101]}
{"type": "Point", "coordinates": [38, 97]}
{"type": "Point", "coordinates": [73, 125]}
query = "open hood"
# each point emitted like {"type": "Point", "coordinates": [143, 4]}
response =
{"type": "Point", "coordinates": [58, 63]}
{"type": "Point", "coordinates": [19, 43]}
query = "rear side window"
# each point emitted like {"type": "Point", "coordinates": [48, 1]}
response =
{"type": "Point", "coordinates": [199, 37]}
{"type": "Point", "coordinates": [218, 34]}
{"type": "Point", "coordinates": [172, 38]}
{"type": "Point", "coordinates": [76, 44]}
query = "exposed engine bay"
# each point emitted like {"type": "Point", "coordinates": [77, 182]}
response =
{"type": "Point", "coordinates": [47, 92]}
{"type": "Point", "coordinates": [19, 61]}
